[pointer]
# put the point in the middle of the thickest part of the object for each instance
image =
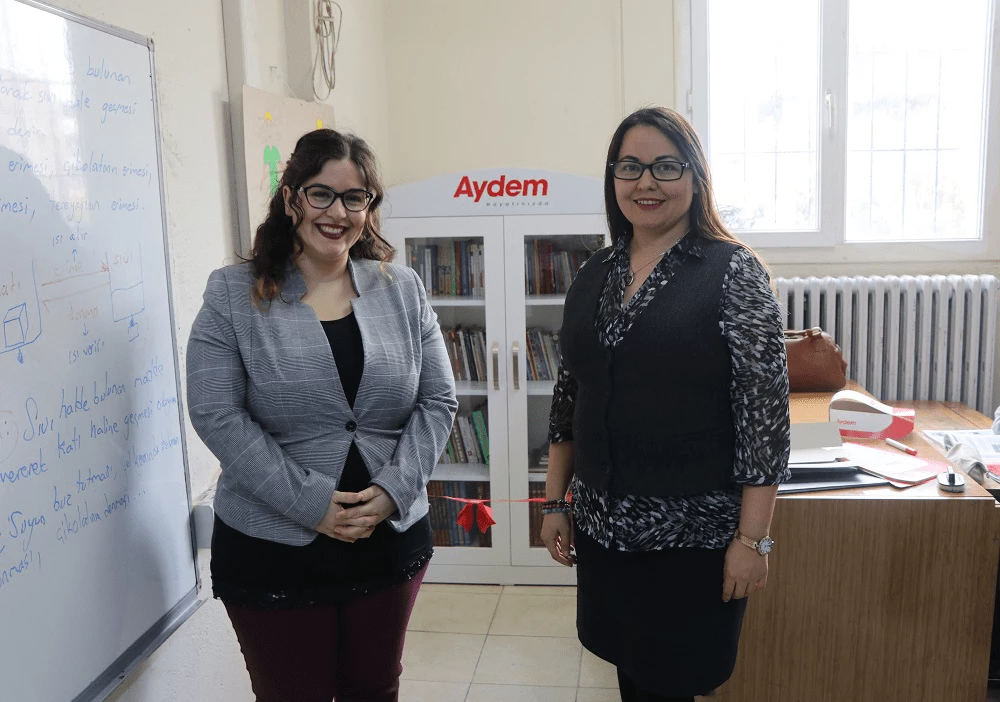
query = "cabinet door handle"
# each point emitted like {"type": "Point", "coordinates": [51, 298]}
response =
{"type": "Point", "coordinates": [517, 376]}
{"type": "Point", "coordinates": [496, 365]}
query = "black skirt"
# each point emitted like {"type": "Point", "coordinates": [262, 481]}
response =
{"type": "Point", "coordinates": [658, 615]}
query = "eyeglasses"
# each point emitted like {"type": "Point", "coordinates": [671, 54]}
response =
{"type": "Point", "coordinates": [322, 197]}
{"type": "Point", "coordinates": [660, 170]}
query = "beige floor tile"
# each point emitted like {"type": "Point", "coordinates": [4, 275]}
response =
{"type": "Point", "coordinates": [441, 657]}
{"type": "Point", "coordinates": [529, 660]}
{"type": "Point", "coordinates": [453, 612]}
{"type": "Point", "coordinates": [597, 672]}
{"type": "Point", "coordinates": [452, 587]}
{"type": "Point", "coordinates": [594, 694]}
{"type": "Point", "coordinates": [520, 693]}
{"type": "Point", "coordinates": [560, 590]}
{"type": "Point", "coordinates": [535, 615]}
{"type": "Point", "coordinates": [429, 691]}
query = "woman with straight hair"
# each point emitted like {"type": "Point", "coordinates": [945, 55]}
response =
{"type": "Point", "coordinates": [669, 422]}
{"type": "Point", "coordinates": [318, 376]}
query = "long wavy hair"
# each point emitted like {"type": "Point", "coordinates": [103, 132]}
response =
{"type": "Point", "coordinates": [277, 242]}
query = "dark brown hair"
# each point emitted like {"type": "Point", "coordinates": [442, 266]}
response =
{"type": "Point", "coordinates": [705, 219]}
{"type": "Point", "coordinates": [276, 241]}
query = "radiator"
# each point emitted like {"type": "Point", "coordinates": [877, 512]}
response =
{"type": "Point", "coordinates": [907, 337]}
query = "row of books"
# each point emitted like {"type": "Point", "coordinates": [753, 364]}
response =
{"type": "Point", "coordinates": [547, 271]}
{"type": "Point", "coordinates": [451, 268]}
{"type": "Point", "coordinates": [469, 441]}
{"type": "Point", "coordinates": [535, 515]}
{"type": "Point", "coordinates": [543, 354]}
{"type": "Point", "coordinates": [443, 513]}
{"type": "Point", "coordinates": [467, 351]}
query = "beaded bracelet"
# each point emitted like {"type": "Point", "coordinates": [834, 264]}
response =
{"type": "Point", "coordinates": [556, 503]}
{"type": "Point", "coordinates": [557, 510]}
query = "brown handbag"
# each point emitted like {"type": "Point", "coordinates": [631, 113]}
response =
{"type": "Point", "coordinates": [814, 361]}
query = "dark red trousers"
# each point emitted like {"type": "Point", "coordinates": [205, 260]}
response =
{"type": "Point", "coordinates": [348, 653]}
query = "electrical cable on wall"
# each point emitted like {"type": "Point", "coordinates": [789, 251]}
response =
{"type": "Point", "coordinates": [328, 28]}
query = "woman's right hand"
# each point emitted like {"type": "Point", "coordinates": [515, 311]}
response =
{"type": "Point", "coordinates": [557, 533]}
{"type": "Point", "coordinates": [329, 521]}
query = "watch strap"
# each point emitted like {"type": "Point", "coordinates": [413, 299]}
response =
{"type": "Point", "coordinates": [748, 542]}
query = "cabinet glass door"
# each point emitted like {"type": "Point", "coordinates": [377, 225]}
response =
{"type": "Point", "coordinates": [460, 261]}
{"type": "Point", "coordinates": [543, 254]}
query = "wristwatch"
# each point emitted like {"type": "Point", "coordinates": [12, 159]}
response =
{"type": "Point", "coordinates": [763, 547]}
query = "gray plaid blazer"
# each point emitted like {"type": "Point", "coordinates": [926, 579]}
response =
{"type": "Point", "coordinates": [265, 396]}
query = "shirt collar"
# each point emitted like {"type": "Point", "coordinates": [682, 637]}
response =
{"type": "Point", "coordinates": [689, 245]}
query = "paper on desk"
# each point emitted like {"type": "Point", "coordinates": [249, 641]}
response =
{"type": "Point", "coordinates": [815, 443]}
{"type": "Point", "coordinates": [900, 469]}
{"type": "Point", "coordinates": [984, 441]}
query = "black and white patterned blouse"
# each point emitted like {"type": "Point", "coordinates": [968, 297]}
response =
{"type": "Point", "coordinates": [750, 320]}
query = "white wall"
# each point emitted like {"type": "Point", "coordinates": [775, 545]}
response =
{"type": "Point", "coordinates": [484, 84]}
{"type": "Point", "coordinates": [360, 101]}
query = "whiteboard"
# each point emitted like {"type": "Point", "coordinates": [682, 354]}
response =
{"type": "Point", "coordinates": [97, 563]}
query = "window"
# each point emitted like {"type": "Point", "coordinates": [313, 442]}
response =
{"type": "Point", "coordinates": [845, 121]}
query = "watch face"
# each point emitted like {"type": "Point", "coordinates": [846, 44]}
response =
{"type": "Point", "coordinates": [766, 544]}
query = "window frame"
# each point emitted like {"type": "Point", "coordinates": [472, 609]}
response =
{"type": "Point", "coordinates": [691, 97]}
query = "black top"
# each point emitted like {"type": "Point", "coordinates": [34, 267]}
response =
{"type": "Point", "coordinates": [628, 441]}
{"type": "Point", "coordinates": [247, 570]}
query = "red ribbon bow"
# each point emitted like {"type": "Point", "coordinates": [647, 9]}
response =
{"type": "Point", "coordinates": [483, 516]}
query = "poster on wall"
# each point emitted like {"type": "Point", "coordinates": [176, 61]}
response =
{"type": "Point", "coordinates": [271, 126]}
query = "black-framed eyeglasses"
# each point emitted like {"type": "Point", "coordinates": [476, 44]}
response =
{"type": "Point", "coordinates": [660, 170]}
{"type": "Point", "coordinates": [321, 197]}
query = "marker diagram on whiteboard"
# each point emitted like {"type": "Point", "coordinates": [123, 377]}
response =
{"type": "Point", "coordinates": [110, 287]}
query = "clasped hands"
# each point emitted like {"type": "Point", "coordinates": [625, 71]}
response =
{"type": "Point", "coordinates": [354, 515]}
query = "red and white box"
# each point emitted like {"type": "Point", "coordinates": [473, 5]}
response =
{"type": "Point", "coordinates": [861, 417]}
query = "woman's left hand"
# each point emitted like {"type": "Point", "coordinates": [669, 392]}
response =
{"type": "Point", "coordinates": [359, 521]}
{"type": "Point", "coordinates": [745, 572]}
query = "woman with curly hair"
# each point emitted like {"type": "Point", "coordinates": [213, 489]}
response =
{"type": "Point", "coordinates": [318, 376]}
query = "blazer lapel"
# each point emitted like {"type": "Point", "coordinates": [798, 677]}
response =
{"type": "Point", "coordinates": [310, 331]}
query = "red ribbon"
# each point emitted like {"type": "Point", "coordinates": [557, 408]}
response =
{"type": "Point", "coordinates": [479, 511]}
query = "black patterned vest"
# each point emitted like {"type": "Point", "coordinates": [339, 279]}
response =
{"type": "Point", "coordinates": [653, 416]}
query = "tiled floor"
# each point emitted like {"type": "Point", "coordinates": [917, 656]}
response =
{"type": "Point", "coordinates": [485, 643]}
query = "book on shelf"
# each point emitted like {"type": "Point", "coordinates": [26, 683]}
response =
{"type": "Point", "coordinates": [543, 354]}
{"type": "Point", "coordinates": [548, 271]}
{"type": "Point", "coordinates": [449, 268]}
{"type": "Point", "coordinates": [479, 424]}
{"type": "Point", "coordinates": [469, 441]}
{"type": "Point", "coordinates": [466, 348]}
{"type": "Point", "coordinates": [468, 438]}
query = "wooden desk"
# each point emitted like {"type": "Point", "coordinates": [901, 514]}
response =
{"type": "Point", "coordinates": [875, 594]}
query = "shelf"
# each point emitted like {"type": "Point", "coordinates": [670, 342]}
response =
{"type": "Point", "coordinates": [541, 387]}
{"type": "Point", "coordinates": [544, 299]}
{"type": "Point", "coordinates": [447, 301]}
{"type": "Point", "coordinates": [536, 477]}
{"type": "Point", "coordinates": [469, 387]}
{"type": "Point", "coordinates": [469, 472]}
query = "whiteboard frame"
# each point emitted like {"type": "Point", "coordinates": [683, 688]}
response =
{"type": "Point", "coordinates": [119, 670]}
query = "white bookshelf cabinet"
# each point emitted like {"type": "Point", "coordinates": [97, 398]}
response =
{"type": "Point", "coordinates": [510, 240]}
